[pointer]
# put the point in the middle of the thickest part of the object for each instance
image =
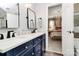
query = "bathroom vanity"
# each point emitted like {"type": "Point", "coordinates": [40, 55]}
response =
{"type": "Point", "coordinates": [24, 45]}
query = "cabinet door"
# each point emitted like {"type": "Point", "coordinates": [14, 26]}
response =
{"type": "Point", "coordinates": [43, 44]}
{"type": "Point", "coordinates": [16, 50]}
{"type": "Point", "coordinates": [10, 53]}
{"type": "Point", "coordinates": [38, 49]}
{"type": "Point", "coordinates": [30, 52]}
{"type": "Point", "coordinates": [36, 40]}
{"type": "Point", "coordinates": [20, 50]}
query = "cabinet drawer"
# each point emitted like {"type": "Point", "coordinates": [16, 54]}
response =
{"type": "Point", "coordinates": [16, 50]}
{"type": "Point", "coordinates": [38, 53]}
{"type": "Point", "coordinates": [23, 52]}
{"type": "Point", "coordinates": [29, 44]}
{"type": "Point", "coordinates": [20, 49]}
{"type": "Point", "coordinates": [24, 48]}
{"type": "Point", "coordinates": [28, 52]}
{"type": "Point", "coordinates": [37, 48]}
{"type": "Point", "coordinates": [36, 40]}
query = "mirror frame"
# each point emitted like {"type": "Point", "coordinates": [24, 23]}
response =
{"type": "Point", "coordinates": [28, 19]}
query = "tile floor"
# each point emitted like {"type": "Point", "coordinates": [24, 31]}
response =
{"type": "Point", "coordinates": [55, 45]}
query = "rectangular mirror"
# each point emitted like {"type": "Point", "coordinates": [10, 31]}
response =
{"type": "Point", "coordinates": [9, 16]}
{"type": "Point", "coordinates": [31, 19]}
{"type": "Point", "coordinates": [3, 22]}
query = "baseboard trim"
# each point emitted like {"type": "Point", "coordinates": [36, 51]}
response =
{"type": "Point", "coordinates": [60, 53]}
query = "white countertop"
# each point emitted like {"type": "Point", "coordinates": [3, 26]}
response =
{"type": "Point", "coordinates": [8, 44]}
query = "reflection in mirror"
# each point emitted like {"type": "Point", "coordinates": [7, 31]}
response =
{"type": "Point", "coordinates": [2, 18]}
{"type": "Point", "coordinates": [9, 16]}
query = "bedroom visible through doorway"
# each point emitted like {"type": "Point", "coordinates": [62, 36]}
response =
{"type": "Point", "coordinates": [55, 29]}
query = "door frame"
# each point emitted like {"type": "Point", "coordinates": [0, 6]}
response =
{"type": "Point", "coordinates": [67, 45]}
{"type": "Point", "coordinates": [51, 5]}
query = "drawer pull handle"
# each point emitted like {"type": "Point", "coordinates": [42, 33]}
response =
{"type": "Point", "coordinates": [32, 53]}
{"type": "Point", "coordinates": [26, 47]}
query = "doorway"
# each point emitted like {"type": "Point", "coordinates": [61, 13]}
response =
{"type": "Point", "coordinates": [55, 29]}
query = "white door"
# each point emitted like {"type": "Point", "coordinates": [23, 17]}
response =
{"type": "Point", "coordinates": [67, 28]}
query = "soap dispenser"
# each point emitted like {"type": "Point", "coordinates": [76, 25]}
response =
{"type": "Point", "coordinates": [1, 36]}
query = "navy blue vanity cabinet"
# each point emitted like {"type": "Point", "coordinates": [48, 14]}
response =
{"type": "Point", "coordinates": [37, 49]}
{"type": "Point", "coordinates": [43, 44]}
{"type": "Point", "coordinates": [10, 53]}
{"type": "Point", "coordinates": [34, 47]}
{"type": "Point", "coordinates": [29, 52]}
{"type": "Point", "coordinates": [38, 46]}
{"type": "Point", "coordinates": [20, 49]}
{"type": "Point", "coordinates": [16, 50]}
{"type": "Point", "coordinates": [27, 47]}
{"type": "Point", "coordinates": [2, 54]}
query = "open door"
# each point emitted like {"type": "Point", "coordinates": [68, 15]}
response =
{"type": "Point", "coordinates": [67, 29]}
